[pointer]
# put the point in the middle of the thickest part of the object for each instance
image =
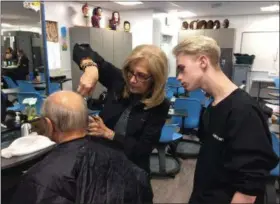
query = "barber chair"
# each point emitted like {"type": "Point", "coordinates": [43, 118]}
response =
{"type": "Point", "coordinates": [169, 93]}
{"type": "Point", "coordinates": [10, 83]}
{"type": "Point", "coordinates": [161, 163]}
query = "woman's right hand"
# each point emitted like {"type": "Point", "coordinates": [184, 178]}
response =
{"type": "Point", "coordinates": [81, 54]}
{"type": "Point", "coordinates": [88, 81]}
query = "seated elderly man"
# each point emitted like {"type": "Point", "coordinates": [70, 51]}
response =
{"type": "Point", "coordinates": [80, 169]}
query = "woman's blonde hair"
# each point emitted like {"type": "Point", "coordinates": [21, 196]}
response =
{"type": "Point", "coordinates": [157, 63]}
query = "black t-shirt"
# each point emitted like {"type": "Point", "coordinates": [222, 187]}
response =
{"type": "Point", "coordinates": [236, 153]}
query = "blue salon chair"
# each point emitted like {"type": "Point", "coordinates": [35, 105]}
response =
{"type": "Point", "coordinates": [187, 148]}
{"type": "Point", "coordinates": [161, 163]}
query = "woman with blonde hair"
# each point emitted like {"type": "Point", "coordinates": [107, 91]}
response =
{"type": "Point", "coordinates": [135, 109]}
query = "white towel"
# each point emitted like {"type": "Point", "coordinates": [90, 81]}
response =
{"type": "Point", "coordinates": [26, 145]}
{"type": "Point", "coordinates": [275, 108]}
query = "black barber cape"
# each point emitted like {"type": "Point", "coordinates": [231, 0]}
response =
{"type": "Point", "coordinates": [84, 171]}
{"type": "Point", "coordinates": [236, 153]}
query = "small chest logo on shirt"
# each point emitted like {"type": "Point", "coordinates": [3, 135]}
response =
{"type": "Point", "coordinates": [218, 138]}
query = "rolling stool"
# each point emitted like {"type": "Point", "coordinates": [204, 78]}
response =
{"type": "Point", "coordinates": [162, 164]}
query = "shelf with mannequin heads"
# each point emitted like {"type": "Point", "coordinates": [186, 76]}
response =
{"type": "Point", "coordinates": [203, 24]}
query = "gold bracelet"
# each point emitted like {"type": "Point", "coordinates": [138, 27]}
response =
{"type": "Point", "coordinates": [86, 64]}
{"type": "Point", "coordinates": [85, 60]}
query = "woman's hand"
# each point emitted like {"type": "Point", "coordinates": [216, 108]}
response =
{"type": "Point", "coordinates": [88, 80]}
{"type": "Point", "coordinates": [82, 54]}
{"type": "Point", "coordinates": [98, 128]}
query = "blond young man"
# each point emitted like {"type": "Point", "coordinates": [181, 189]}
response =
{"type": "Point", "coordinates": [236, 153]}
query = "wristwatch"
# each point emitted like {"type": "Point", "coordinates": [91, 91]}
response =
{"type": "Point", "coordinates": [87, 64]}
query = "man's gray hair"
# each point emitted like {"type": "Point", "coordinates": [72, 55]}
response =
{"type": "Point", "coordinates": [66, 119]}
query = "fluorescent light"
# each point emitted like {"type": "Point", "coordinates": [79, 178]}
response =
{"type": "Point", "coordinates": [7, 25]}
{"type": "Point", "coordinates": [270, 8]}
{"type": "Point", "coordinates": [128, 3]}
{"type": "Point", "coordinates": [175, 13]}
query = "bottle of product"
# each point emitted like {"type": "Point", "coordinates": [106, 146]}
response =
{"type": "Point", "coordinates": [33, 111]}
{"type": "Point", "coordinates": [25, 129]}
{"type": "Point", "coordinates": [17, 119]}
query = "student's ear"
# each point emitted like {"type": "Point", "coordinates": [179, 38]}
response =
{"type": "Point", "coordinates": [49, 128]}
{"type": "Point", "coordinates": [203, 62]}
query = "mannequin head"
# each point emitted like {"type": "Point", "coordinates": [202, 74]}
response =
{"type": "Point", "coordinates": [185, 25]}
{"type": "Point", "coordinates": [116, 17]}
{"type": "Point", "coordinates": [193, 25]}
{"type": "Point", "coordinates": [97, 11]}
{"type": "Point", "coordinates": [85, 10]}
{"type": "Point", "coordinates": [217, 24]}
{"type": "Point", "coordinates": [126, 26]}
{"type": "Point", "coordinates": [226, 23]}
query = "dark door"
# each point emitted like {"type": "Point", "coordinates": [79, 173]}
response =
{"type": "Point", "coordinates": [226, 61]}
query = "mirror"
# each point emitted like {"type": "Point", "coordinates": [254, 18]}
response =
{"type": "Point", "coordinates": [22, 47]}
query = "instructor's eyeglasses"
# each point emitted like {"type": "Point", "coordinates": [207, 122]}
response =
{"type": "Point", "coordinates": [140, 77]}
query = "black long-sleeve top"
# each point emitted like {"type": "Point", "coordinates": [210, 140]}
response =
{"type": "Point", "coordinates": [236, 153]}
{"type": "Point", "coordinates": [144, 125]}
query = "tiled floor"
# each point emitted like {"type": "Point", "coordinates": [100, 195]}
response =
{"type": "Point", "coordinates": [177, 190]}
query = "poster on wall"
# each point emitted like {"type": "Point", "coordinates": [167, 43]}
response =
{"type": "Point", "coordinates": [52, 31]}
{"type": "Point", "coordinates": [63, 33]}
{"type": "Point", "coordinates": [54, 55]}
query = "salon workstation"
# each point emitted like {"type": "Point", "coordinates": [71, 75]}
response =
{"type": "Point", "coordinates": [82, 78]}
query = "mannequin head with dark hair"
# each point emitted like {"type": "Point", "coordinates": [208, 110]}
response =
{"type": "Point", "coordinates": [96, 16]}
{"type": "Point", "coordinates": [116, 17]}
{"type": "Point", "coordinates": [97, 11]}
{"type": "Point", "coordinates": [226, 23]}
{"type": "Point", "coordinates": [115, 20]}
